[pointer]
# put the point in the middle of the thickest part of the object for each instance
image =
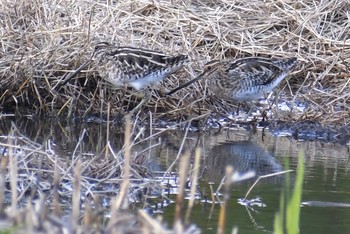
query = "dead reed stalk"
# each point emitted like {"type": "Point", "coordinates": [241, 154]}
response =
{"type": "Point", "coordinates": [194, 182]}
{"type": "Point", "coordinates": [183, 174]}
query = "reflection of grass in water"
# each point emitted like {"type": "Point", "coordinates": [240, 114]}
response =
{"type": "Point", "coordinates": [287, 219]}
{"type": "Point", "coordinates": [79, 176]}
{"type": "Point", "coordinates": [83, 194]}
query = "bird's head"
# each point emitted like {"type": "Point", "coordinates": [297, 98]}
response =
{"type": "Point", "coordinates": [210, 68]}
{"type": "Point", "coordinates": [101, 49]}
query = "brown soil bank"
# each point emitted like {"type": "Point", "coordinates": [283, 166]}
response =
{"type": "Point", "coordinates": [42, 41]}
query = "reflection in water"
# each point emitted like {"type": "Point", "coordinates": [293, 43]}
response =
{"type": "Point", "coordinates": [64, 135]}
{"type": "Point", "coordinates": [243, 151]}
{"type": "Point", "coordinates": [326, 177]}
{"type": "Point", "coordinates": [244, 156]}
{"type": "Point", "coordinates": [163, 149]}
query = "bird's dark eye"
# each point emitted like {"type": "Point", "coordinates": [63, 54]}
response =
{"type": "Point", "coordinates": [209, 68]}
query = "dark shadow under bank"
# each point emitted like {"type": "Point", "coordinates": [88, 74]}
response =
{"type": "Point", "coordinates": [301, 131]}
{"type": "Point", "coordinates": [312, 131]}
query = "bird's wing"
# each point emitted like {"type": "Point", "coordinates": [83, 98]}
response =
{"type": "Point", "coordinates": [136, 63]}
{"type": "Point", "coordinates": [254, 71]}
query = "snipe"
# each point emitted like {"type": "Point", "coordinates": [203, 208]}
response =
{"type": "Point", "coordinates": [132, 67]}
{"type": "Point", "coordinates": [245, 79]}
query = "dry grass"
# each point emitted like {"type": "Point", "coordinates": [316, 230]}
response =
{"type": "Point", "coordinates": [41, 41]}
{"type": "Point", "coordinates": [43, 192]}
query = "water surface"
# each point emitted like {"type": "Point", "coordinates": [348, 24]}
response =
{"type": "Point", "coordinates": [326, 164]}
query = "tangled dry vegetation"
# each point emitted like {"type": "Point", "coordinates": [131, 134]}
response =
{"type": "Point", "coordinates": [109, 192]}
{"type": "Point", "coordinates": [42, 41]}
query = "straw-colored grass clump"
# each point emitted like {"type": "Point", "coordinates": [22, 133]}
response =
{"type": "Point", "coordinates": [41, 41]}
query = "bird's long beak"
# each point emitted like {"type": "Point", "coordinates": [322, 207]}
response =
{"type": "Point", "coordinates": [185, 85]}
{"type": "Point", "coordinates": [72, 75]}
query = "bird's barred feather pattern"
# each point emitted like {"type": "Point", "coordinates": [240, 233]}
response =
{"type": "Point", "coordinates": [136, 67]}
{"type": "Point", "coordinates": [244, 79]}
